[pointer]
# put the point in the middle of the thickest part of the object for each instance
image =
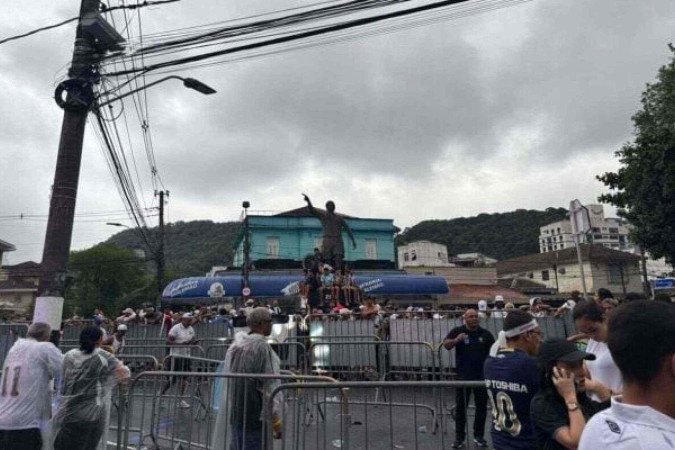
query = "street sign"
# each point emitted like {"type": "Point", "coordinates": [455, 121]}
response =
{"type": "Point", "coordinates": [246, 292]}
{"type": "Point", "coordinates": [664, 283]}
{"type": "Point", "coordinates": [579, 217]}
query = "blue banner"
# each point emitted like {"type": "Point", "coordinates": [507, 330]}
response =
{"type": "Point", "coordinates": [284, 285]}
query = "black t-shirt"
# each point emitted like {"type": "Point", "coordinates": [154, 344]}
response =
{"type": "Point", "coordinates": [549, 413]}
{"type": "Point", "coordinates": [471, 352]}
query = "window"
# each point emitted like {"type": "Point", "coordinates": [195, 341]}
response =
{"type": "Point", "coordinates": [614, 230]}
{"type": "Point", "coordinates": [272, 247]}
{"type": "Point", "coordinates": [615, 273]}
{"type": "Point", "coordinates": [371, 250]}
{"type": "Point", "coordinates": [406, 257]}
{"type": "Point", "coordinates": [544, 275]}
{"type": "Point", "coordinates": [530, 275]}
{"type": "Point", "coordinates": [558, 230]}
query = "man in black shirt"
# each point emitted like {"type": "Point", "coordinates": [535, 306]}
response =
{"type": "Point", "coordinates": [472, 345]}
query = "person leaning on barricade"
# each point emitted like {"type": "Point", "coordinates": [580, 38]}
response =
{"type": "Point", "coordinates": [512, 380]}
{"type": "Point", "coordinates": [25, 400]}
{"type": "Point", "coordinates": [641, 339]}
{"type": "Point", "coordinates": [88, 377]}
{"type": "Point", "coordinates": [243, 401]}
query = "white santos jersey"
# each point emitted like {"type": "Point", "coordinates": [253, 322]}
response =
{"type": "Point", "coordinates": [25, 398]}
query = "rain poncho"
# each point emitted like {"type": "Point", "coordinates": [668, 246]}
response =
{"type": "Point", "coordinates": [83, 414]}
{"type": "Point", "coordinates": [242, 401]}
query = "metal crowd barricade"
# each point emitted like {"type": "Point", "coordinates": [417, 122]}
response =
{"type": "Point", "coordinates": [177, 363]}
{"type": "Point", "coordinates": [186, 419]}
{"type": "Point", "coordinates": [339, 325]}
{"type": "Point", "coordinates": [160, 351]}
{"type": "Point", "coordinates": [411, 417]}
{"type": "Point", "coordinates": [216, 351]}
{"type": "Point", "coordinates": [374, 360]}
{"type": "Point", "coordinates": [139, 363]}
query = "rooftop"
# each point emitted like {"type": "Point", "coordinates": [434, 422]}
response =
{"type": "Point", "coordinates": [589, 252]}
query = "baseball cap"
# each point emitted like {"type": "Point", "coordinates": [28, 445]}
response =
{"type": "Point", "coordinates": [122, 327]}
{"type": "Point", "coordinates": [186, 316]}
{"type": "Point", "coordinates": [482, 305]}
{"type": "Point", "coordinates": [562, 350]}
{"type": "Point", "coordinates": [499, 299]}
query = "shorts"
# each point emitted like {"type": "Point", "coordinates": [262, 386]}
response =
{"type": "Point", "coordinates": [29, 439]}
{"type": "Point", "coordinates": [178, 364]}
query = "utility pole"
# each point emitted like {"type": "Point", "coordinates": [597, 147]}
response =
{"type": "Point", "coordinates": [83, 74]}
{"type": "Point", "coordinates": [247, 249]}
{"type": "Point", "coordinates": [645, 279]}
{"type": "Point", "coordinates": [160, 251]}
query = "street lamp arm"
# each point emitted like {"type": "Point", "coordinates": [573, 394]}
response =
{"type": "Point", "coordinates": [190, 83]}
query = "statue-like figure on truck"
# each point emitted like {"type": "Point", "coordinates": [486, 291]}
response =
{"type": "Point", "coordinates": [333, 248]}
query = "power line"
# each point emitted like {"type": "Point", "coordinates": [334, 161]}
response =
{"type": "Point", "coordinates": [38, 30]}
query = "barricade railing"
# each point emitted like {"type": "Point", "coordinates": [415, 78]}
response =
{"type": "Point", "coordinates": [410, 415]}
{"type": "Point", "coordinates": [374, 360]}
{"type": "Point", "coordinates": [160, 351]}
{"type": "Point", "coordinates": [185, 415]}
{"type": "Point", "coordinates": [292, 355]}
{"type": "Point", "coordinates": [177, 363]}
{"type": "Point", "coordinates": [139, 363]}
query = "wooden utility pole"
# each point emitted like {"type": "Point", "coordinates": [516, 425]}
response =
{"type": "Point", "coordinates": [160, 251]}
{"type": "Point", "coordinates": [79, 97]}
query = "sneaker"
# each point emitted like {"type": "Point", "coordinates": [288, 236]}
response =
{"type": "Point", "coordinates": [480, 442]}
{"type": "Point", "coordinates": [459, 443]}
{"type": "Point", "coordinates": [183, 404]}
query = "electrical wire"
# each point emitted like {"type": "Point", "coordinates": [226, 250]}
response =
{"type": "Point", "coordinates": [30, 33]}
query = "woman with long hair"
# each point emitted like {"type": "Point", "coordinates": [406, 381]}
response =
{"type": "Point", "coordinates": [88, 376]}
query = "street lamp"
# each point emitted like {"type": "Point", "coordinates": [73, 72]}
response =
{"type": "Point", "coordinates": [247, 263]}
{"type": "Point", "coordinates": [117, 224]}
{"type": "Point", "coordinates": [189, 83]}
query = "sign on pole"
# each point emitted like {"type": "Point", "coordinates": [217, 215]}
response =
{"type": "Point", "coordinates": [581, 224]}
{"type": "Point", "coordinates": [246, 292]}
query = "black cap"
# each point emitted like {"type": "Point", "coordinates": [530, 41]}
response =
{"type": "Point", "coordinates": [562, 350]}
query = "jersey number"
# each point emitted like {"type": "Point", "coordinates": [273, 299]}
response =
{"type": "Point", "coordinates": [15, 382]}
{"type": "Point", "coordinates": [505, 418]}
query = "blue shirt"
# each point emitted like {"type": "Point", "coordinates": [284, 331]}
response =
{"type": "Point", "coordinates": [512, 380]}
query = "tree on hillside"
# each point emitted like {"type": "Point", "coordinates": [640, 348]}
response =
{"type": "Point", "coordinates": [644, 186]}
{"type": "Point", "coordinates": [109, 277]}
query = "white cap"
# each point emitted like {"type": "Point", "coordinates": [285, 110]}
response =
{"type": "Point", "coordinates": [499, 298]}
{"type": "Point", "coordinates": [482, 305]}
{"type": "Point", "coordinates": [186, 316]}
{"type": "Point", "coordinates": [122, 327]}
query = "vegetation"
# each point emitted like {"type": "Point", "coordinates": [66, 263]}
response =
{"type": "Point", "coordinates": [191, 248]}
{"type": "Point", "coordinates": [106, 276]}
{"type": "Point", "coordinates": [500, 235]}
{"type": "Point", "coordinates": [644, 185]}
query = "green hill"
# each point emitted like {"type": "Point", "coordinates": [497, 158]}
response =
{"type": "Point", "coordinates": [191, 248]}
{"type": "Point", "coordinates": [500, 235]}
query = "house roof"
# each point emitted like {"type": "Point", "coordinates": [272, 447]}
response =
{"type": "Point", "coordinates": [589, 252]}
{"type": "Point", "coordinates": [6, 246]}
{"type": "Point", "coordinates": [25, 269]}
{"type": "Point", "coordinates": [304, 212]}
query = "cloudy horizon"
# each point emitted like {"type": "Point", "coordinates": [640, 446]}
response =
{"type": "Point", "coordinates": [515, 108]}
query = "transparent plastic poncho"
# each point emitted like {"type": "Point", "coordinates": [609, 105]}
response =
{"type": "Point", "coordinates": [84, 397]}
{"type": "Point", "coordinates": [249, 353]}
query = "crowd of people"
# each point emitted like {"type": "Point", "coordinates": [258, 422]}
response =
{"type": "Point", "coordinates": [610, 387]}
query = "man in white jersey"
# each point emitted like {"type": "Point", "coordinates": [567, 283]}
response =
{"type": "Point", "coordinates": [641, 339]}
{"type": "Point", "coordinates": [25, 394]}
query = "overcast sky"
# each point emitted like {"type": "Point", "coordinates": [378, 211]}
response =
{"type": "Point", "coordinates": [515, 108]}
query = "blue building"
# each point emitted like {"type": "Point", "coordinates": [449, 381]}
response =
{"type": "Point", "coordinates": [284, 240]}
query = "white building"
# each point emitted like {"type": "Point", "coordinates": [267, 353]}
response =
{"type": "Point", "coordinates": [609, 232]}
{"type": "Point", "coordinates": [423, 254]}
{"type": "Point", "coordinates": [603, 268]}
